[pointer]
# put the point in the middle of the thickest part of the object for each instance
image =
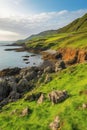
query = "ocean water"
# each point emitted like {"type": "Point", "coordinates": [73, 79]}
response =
{"type": "Point", "coordinates": [11, 59]}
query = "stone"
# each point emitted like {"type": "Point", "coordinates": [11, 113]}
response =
{"type": "Point", "coordinates": [30, 75]}
{"type": "Point", "coordinates": [48, 78]}
{"type": "Point", "coordinates": [48, 69]}
{"type": "Point", "coordinates": [4, 102]}
{"type": "Point", "coordinates": [10, 72]}
{"type": "Point", "coordinates": [59, 65]}
{"type": "Point", "coordinates": [84, 106]}
{"type": "Point", "coordinates": [57, 96]}
{"type": "Point", "coordinates": [4, 88]}
{"type": "Point", "coordinates": [41, 99]}
{"type": "Point", "coordinates": [14, 95]}
{"type": "Point", "coordinates": [22, 86]}
{"type": "Point", "coordinates": [55, 124]}
{"type": "Point", "coordinates": [25, 112]}
{"type": "Point", "coordinates": [33, 97]}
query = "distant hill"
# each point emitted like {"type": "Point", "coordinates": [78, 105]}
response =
{"type": "Point", "coordinates": [73, 35]}
{"type": "Point", "coordinates": [79, 24]}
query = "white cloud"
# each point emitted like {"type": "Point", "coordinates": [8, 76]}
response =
{"type": "Point", "coordinates": [25, 25]}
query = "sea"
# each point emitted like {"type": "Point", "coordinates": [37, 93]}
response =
{"type": "Point", "coordinates": [11, 59]}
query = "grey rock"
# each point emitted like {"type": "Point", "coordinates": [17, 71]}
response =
{"type": "Point", "coordinates": [57, 96]}
{"type": "Point", "coordinates": [59, 65]}
{"type": "Point", "coordinates": [22, 86]}
{"type": "Point", "coordinates": [4, 88]}
{"type": "Point", "coordinates": [14, 95]}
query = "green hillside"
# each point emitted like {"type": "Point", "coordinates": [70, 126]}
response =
{"type": "Point", "coordinates": [70, 111]}
{"type": "Point", "coordinates": [73, 35]}
{"type": "Point", "coordinates": [79, 24]}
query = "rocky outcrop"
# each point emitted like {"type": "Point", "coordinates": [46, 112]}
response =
{"type": "Point", "coordinates": [23, 86]}
{"type": "Point", "coordinates": [68, 55]}
{"type": "Point", "coordinates": [72, 56]}
{"type": "Point", "coordinates": [41, 99]}
{"type": "Point", "coordinates": [55, 124]}
{"type": "Point", "coordinates": [33, 97]}
{"type": "Point", "coordinates": [58, 96]}
{"type": "Point", "coordinates": [59, 65]}
{"type": "Point", "coordinates": [4, 89]}
{"type": "Point", "coordinates": [9, 72]}
{"type": "Point", "coordinates": [25, 112]}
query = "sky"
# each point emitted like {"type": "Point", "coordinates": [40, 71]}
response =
{"type": "Point", "coordinates": [22, 18]}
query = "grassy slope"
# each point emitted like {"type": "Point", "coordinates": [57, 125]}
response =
{"type": "Point", "coordinates": [56, 41]}
{"type": "Point", "coordinates": [73, 35]}
{"type": "Point", "coordinates": [73, 79]}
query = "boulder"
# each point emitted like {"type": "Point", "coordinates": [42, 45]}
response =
{"type": "Point", "coordinates": [30, 75]}
{"type": "Point", "coordinates": [10, 72]}
{"type": "Point", "coordinates": [14, 96]}
{"type": "Point", "coordinates": [55, 124]}
{"type": "Point", "coordinates": [84, 105]}
{"type": "Point", "coordinates": [57, 96]}
{"type": "Point", "coordinates": [25, 111]}
{"type": "Point", "coordinates": [23, 86]}
{"type": "Point", "coordinates": [48, 78]}
{"type": "Point", "coordinates": [59, 65]}
{"type": "Point", "coordinates": [41, 99]}
{"type": "Point", "coordinates": [4, 89]}
{"type": "Point", "coordinates": [4, 102]}
{"type": "Point", "coordinates": [33, 97]}
{"type": "Point", "coordinates": [48, 69]}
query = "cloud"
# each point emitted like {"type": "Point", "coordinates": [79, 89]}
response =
{"type": "Point", "coordinates": [25, 25]}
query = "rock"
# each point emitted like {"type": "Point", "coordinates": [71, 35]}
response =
{"type": "Point", "coordinates": [14, 96]}
{"type": "Point", "coordinates": [27, 62]}
{"type": "Point", "coordinates": [57, 96]}
{"type": "Point", "coordinates": [10, 72]}
{"type": "Point", "coordinates": [23, 86]}
{"type": "Point", "coordinates": [25, 112]}
{"type": "Point", "coordinates": [48, 78]}
{"type": "Point", "coordinates": [33, 97]}
{"type": "Point", "coordinates": [41, 99]}
{"type": "Point", "coordinates": [59, 65]}
{"type": "Point", "coordinates": [55, 124]}
{"type": "Point", "coordinates": [4, 102]}
{"type": "Point", "coordinates": [12, 83]}
{"type": "Point", "coordinates": [26, 56]}
{"type": "Point", "coordinates": [48, 69]}
{"type": "Point", "coordinates": [25, 59]}
{"type": "Point", "coordinates": [33, 55]}
{"type": "Point", "coordinates": [4, 89]}
{"type": "Point", "coordinates": [30, 75]}
{"type": "Point", "coordinates": [84, 106]}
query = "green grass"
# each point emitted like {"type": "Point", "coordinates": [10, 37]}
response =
{"type": "Point", "coordinates": [73, 79]}
{"type": "Point", "coordinates": [56, 41]}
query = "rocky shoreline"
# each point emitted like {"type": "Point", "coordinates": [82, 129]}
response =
{"type": "Point", "coordinates": [14, 83]}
